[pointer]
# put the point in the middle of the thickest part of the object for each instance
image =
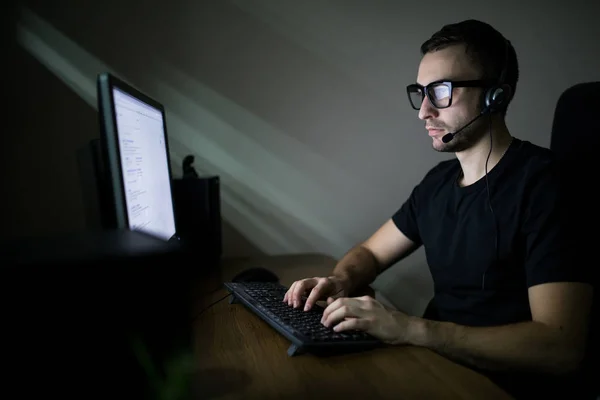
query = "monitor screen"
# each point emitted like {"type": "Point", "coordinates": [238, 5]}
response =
{"type": "Point", "coordinates": [136, 148]}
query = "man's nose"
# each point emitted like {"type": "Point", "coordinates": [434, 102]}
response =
{"type": "Point", "coordinates": [427, 109]}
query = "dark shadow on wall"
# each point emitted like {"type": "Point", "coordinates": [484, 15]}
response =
{"type": "Point", "coordinates": [41, 190]}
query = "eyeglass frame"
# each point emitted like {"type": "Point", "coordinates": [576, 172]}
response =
{"type": "Point", "coordinates": [451, 84]}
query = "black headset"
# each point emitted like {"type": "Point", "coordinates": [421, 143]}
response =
{"type": "Point", "coordinates": [496, 96]}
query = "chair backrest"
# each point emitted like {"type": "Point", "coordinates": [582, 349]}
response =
{"type": "Point", "coordinates": [576, 140]}
{"type": "Point", "coordinates": [575, 130]}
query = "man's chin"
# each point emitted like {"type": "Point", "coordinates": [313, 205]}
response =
{"type": "Point", "coordinates": [440, 146]}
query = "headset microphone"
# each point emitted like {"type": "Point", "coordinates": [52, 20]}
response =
{"type": "Point", "coordinates": [449, 136]}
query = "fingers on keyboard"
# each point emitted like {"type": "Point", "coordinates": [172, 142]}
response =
{"type": "Point", "coordinates": [300, 289]}
{"type": "Point", "coordinates": [314, 295]}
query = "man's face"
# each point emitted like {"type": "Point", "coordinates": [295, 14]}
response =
{"type": "Point", "coordinates": [452, 64]}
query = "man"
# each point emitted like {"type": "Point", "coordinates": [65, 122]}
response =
{"type": "Point", "coordinates": [507, 301]}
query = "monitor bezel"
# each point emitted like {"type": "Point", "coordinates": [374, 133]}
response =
{"type": "Point", "coordinates": [109, 140]}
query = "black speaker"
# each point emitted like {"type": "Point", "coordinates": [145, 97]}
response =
{"type": "Point", "coordinates": [197, 203]}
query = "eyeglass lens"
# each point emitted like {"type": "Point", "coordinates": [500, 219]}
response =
{"type": "Point", "coordinates": [439, 94]}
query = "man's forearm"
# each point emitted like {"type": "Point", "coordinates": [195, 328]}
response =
{"type": "Point", "coordinates": [358, 268]}
{"type": "Point", "coordinates": [527, 346]}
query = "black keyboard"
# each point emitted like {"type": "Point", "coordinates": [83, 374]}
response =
{"type": "Point", "coordinates": [302, 328]}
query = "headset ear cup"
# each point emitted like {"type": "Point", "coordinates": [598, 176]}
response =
{"type": "Point", "coordinates": [494, 98]}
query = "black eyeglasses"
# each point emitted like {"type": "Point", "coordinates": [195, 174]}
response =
{"type": "Point", "coordinates": [439, 93]}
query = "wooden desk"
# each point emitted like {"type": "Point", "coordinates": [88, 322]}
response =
{"type": "Point", "coordinates": [241, 357]}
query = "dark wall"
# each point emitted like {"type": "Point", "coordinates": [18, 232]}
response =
{"type": "Point", "coordinates": [47, 125]}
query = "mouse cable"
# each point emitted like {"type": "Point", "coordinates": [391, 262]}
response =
{"type": "Point", "coordinates": [210, 305]}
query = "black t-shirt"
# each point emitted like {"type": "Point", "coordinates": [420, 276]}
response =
{"type": "Point", "coordinates": [483, 259]}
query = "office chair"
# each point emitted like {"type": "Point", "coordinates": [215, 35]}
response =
{"type": "Point", "coordinates": [575, 138]}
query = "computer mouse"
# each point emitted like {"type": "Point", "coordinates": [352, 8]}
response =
{"type": "Point", "coordinates": [256, 274]}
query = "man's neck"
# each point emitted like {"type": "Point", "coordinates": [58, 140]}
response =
{"type": "Point", "coordinates": [472, 160]}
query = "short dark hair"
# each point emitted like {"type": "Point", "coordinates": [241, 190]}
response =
{"type": "Point", "coordinates": [486, 47]}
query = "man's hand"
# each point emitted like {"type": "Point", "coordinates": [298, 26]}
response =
{"type": "Point", "coordinates": [368, 315]}
{"type": "Point", "coordinates": [318, 289]}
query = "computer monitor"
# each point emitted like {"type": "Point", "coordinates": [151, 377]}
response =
{"type": "Point", "coordinates": [133, 136]}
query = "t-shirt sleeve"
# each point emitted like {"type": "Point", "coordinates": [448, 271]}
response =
{"type": "Point", "coordinates": [406, 217]}
{"type": "Point", "coordinates": [549, 254]}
